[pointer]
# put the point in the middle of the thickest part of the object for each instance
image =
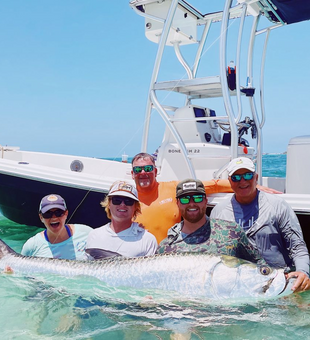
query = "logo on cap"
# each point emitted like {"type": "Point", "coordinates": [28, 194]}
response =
{"type": "Point", "coordinates": [52, 198]}
{"type": "Point", "coordinates": [190, 186]}
{"type": "Point", "coordinates": [126, 187]}
{"type": "Point", "coordinates": [123, 187]}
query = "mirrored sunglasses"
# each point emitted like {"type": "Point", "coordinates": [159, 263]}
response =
{"type": "Point", "coordinates": [146, 168]}
{"type": "Point", "coordinates": [117, 200]}
{"type": "Point", "coordinates": [50, 213]}
{"type": "Point", "coordinates": [247, 176]}
{"type": "Point", "coordinates": [195, 198]}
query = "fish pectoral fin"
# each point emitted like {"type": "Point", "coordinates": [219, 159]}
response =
{"type": "Point", "coordinates": [99, 254]}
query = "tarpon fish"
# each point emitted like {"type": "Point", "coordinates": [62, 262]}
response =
{"type": "Point", "coordinates": [193, 275]}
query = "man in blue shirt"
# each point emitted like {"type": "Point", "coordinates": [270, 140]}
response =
{"type": "Point", "coordinates": [269, 222]}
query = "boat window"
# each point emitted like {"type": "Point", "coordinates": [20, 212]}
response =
{"type": "Point", "coordinates": [199, 112]}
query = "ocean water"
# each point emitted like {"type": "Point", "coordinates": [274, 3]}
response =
{"type": "Point", "coordinates": [52, 307]}
{"type": "Point", "coordinates": [274, 165]}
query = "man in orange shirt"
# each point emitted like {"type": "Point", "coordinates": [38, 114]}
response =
{"type": "Point", "coordinates": [157, 199]}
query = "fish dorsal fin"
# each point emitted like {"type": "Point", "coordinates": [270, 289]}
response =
{"type": "Point", "coordinates": [99, 254]}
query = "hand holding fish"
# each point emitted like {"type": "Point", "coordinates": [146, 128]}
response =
{"type": "Point", "coordinates": [8, 270]}
{"type": "Point", "coordinates": [302, 282]}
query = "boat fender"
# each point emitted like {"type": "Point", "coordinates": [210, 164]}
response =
{"type": "Point", "coordinates": [216, 186]}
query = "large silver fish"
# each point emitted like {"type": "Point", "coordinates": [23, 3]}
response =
{"type": "Point", "coordinates": [193, 275]}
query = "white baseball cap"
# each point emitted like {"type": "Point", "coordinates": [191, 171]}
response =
{"type": "Point", "coordinates": [240, 163]}
{"type": "Point", "coordinates": [121, 188]}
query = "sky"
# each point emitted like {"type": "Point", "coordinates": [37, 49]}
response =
{"type": "Point", "coordinates": [74, 78]}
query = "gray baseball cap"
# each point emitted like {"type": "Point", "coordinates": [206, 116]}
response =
{"type": "Point", "coordinates": [190, 186]}
{"type": "Point", "coordinates": [52, 201]}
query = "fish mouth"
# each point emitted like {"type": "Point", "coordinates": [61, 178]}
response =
{"type": "Point", "coordinates": [278, 286]}
{"type": "Point", "coordinates": [288, 287]}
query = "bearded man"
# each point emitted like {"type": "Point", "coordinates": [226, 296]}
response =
{"type": "Point", "coordinates": [196, 232]}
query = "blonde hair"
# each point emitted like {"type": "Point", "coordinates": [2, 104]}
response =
{"type": "Point", "coordinates": [106, 205]}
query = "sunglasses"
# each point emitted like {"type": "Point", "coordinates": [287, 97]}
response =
{"type": "Point", "coordinates": [247, 176]}
{"type": "Point", "coordinates": [146, 168]}
{"type": "Point", "coordinates": [195, 198]}
{"type": "Point", "coordinates": [117, 200]}
{"type": "Point", "coordinates": [50, 213]}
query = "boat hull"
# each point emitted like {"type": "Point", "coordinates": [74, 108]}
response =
{"type": "Point", "coordinates": [83, 204]}
{"type": "Point", "coordinates": [304, 220]}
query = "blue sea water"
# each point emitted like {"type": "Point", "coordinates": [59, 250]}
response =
{"type": "Point", "coordinates": [274, 165]}
{"type": "Point", "coordinates": [52, 307]}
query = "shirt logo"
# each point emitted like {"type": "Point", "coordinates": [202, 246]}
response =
{"type": "Point", "coordinates": [167, 200]}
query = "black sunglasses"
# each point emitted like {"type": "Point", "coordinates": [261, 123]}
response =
{"type": "Point", "coordinates": [195, 198]}
{"type": "Point", "coordinates": [247, 176]}
{"type": "Point", "coordinates": [146, 168]}
{"type": "Point", "coordinates": [117, 200]}
{"type": "Point", "coordinates": [50, 213]}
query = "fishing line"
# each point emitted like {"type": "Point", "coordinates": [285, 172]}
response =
{"type": "Point", "coordinates": [103, 173]}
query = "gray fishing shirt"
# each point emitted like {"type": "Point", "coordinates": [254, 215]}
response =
{"type": "Point", "coordinates": [271, 225]}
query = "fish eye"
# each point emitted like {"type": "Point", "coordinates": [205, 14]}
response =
{"type": "Point", "coordinates": [265, 270]}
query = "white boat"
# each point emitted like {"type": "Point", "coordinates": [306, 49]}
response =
{"type": "Point", "coordinates": [198, 141]}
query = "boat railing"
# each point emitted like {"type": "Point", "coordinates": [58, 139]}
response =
{"type": "Point", "coordinates": [174, 23]}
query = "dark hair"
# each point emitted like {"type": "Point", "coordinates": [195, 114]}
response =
{"type": "Point", "coordinates": [143, 155]}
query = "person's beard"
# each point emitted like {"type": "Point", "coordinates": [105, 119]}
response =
{"type": "Point", "coordinates": [193, 218]}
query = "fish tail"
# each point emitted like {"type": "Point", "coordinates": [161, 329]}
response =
{"type": "Point", "coordinates": [5, 249]}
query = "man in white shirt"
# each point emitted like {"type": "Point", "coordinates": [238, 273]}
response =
{"type": "Point", "coordinates": [121, 236]}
